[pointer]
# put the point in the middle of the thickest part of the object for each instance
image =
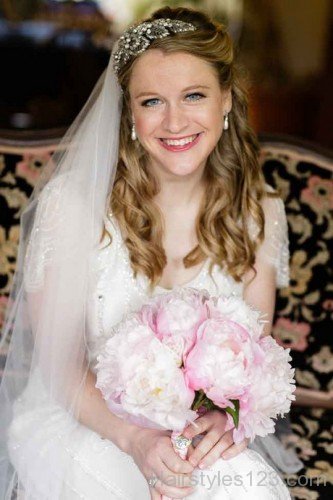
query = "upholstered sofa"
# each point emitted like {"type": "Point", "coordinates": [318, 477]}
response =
{"type": "Point", "coordinates": [303, 317]}
{"type": "Point", "coordinates": [303, 173]}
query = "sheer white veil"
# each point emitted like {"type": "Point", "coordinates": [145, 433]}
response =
{"type": "Point", "coordinates": [45, 325]}
{"type": "Point", "coordinates": [46, 322]}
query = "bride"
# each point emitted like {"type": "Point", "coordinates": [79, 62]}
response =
{"type": "Point", "coordinates": [156, 185]}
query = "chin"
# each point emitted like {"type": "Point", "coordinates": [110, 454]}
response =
{"type": "Point", "coordinates": [182, 171]}
{"type": "Point", "coordinates": [181, 168]}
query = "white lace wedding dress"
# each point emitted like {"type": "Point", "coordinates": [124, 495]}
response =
{"type": "Point", "coordinates": [96, 469]}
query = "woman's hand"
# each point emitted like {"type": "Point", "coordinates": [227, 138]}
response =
{"type": "Point", "coordinates": [216, 442]}
{"type": "Point", "coordinates": [153, 453]}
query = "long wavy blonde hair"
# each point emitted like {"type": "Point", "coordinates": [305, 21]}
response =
{"type": "Point", "coordinates": [234, 179]}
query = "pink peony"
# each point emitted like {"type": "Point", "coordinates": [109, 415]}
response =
{"type": "Point", "coordinates": [175, 318]}
{"type": "Point", "coordinates": [185, 350]}
{"type": "Point", "coordinates": [269, 393]}
{"type": "Point", "coordinates": [235, 309]}
{"type": "Point", "coordinates": [220, 361]}
{"type": "Point", "coordinates": [140, 380]}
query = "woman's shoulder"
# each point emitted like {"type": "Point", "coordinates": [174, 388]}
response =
{"type": "Point", "coordinates": [273, 207]}
{"type": "Point", "coordinates": [275, 247]}
{"type": "Point", "coordinates": [271, 201]}
{"type": "Point", "coordinates": [269, 188]}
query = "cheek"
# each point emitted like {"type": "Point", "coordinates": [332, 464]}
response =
{"type": "Point", "coordinates": [219, 127]}
{"type": "Point", "coordinates": [217, 123]}
{"type": "Point", "coordinates": [145, 124]}
{"type": "Point", "coordinates": [211, 118]}
{"type": "Point", "coordinates": [216, 119]}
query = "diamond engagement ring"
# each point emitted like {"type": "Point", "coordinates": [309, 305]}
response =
{"type": "Point", "coordinates": [182, 443]}
{"type": "Point", "coordinates": [152, 481]}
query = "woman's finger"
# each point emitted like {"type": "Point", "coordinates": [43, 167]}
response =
{"type": "Point", "coordinates": [169, 483]}
{"type": "Point", "coordinates": [198, 427]}
{"type": "Point", "coordinates": [175, 463]}
{"type": "Point", "coordinates": [204, 446]}
{"type": "Point", "coordinates": [172, 491]}
{"type": "Point", "coordinates": [190, 450]}
{"type": "Point", "coordinates": [213, 418]}
{"type": "Point", "coordinates": [225, 443]}
{"type": "Point", "coordinates": [171, 472]}
{"type": "Point", "coordinates": [169, 460]}
{"type": "Point", "coordinates": [154, 494]}
{"type": "Point", "coordinates": [235, 449]}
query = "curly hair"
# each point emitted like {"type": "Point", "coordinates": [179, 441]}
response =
{"type": "Point", "coordinates": [235, 181]}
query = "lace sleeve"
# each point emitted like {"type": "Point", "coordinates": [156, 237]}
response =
{"type": "Point", "coordinates": [275, 247]}
{"type": "Point", "coordinates": [50, 240]}
{"type": "Point", "coordinates": [41, 243]}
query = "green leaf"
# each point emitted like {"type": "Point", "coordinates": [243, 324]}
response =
{"type": "Point", "coordinates": [201, 399]}
{"type": "Point", "coordinates": [234, 412]}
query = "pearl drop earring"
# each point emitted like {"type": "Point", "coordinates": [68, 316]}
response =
{"type": "Point", "coordinates": [226, 122]}
{"type": "Point", "coordinates": [133, 133]}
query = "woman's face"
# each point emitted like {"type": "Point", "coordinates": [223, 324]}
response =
{"type": "Point", "coordinates": [176, 96]}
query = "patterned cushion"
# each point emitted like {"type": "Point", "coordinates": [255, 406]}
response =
{"type": "Point", "coordinates": [303, 315]}
{"type": "Point", "coordinates": [303, 310]}
{"type": "Point", "coordinates": [20, 167]}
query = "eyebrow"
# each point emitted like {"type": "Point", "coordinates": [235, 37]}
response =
{"type": "Point", "coordinates": [184, 90]}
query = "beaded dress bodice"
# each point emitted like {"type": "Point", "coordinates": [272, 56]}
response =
{"type": "Point", "coordinates": [113, 289]}
{"type": "Point", "coordinates": [115, 292]}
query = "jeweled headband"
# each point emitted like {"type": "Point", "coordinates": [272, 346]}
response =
{"type": "Point", "coordinates": [136, 39]}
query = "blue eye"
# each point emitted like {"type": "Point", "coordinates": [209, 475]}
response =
{"type": "Point", "coordinates": [148, 101]}
{"type": "Point", "coordinates": [197, 94]}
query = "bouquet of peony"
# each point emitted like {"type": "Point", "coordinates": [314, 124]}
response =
{"type": "Point", "coordinates": [186, 352]}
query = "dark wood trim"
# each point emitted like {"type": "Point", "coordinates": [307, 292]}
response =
{"type": "Point", "coordinates": [296, 143]}
{"type": "Point", "coordinates": [31, 138]}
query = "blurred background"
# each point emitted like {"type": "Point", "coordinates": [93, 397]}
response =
{"type": "Point", "coordinates": [53, 51]}
{"type": "Point", "coordinates": [52, 54]}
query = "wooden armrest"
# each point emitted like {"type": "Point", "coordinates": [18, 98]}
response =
{"type": "Point", "coordinates": [312, 397]}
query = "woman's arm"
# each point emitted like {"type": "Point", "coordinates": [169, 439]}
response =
{"type": "Point", "coordinates": [151, 449]}
{"type": "Point", "coordinates": [271, 263]}
{"type": "Point", "coordinates": [94, 413]}
{"type": "Point", "coordinates": [260, 293]}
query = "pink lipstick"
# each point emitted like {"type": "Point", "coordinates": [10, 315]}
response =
{"type": "Point", "coordinates": [183, 147]}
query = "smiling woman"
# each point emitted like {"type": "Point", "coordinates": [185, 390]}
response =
{"type": "Point", "coordinates": [171, 115]}
{"type": "Point", "coordinates": [177, 92]}
{"type": "Point", "coordinates": [149, 190]}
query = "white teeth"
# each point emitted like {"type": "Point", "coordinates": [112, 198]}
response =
{"type": "Point", "coordinates": [181, 142]}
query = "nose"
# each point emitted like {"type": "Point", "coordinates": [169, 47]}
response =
{"type": "Point", "coordinates": [175, 119]}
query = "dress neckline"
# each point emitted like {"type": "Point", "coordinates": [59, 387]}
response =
{"type": "Point", "coordinates": [202, 272]}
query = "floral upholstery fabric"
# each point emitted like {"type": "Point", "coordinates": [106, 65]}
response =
{"type": "Point", "coordinates": [19, 171]}
{"type": "Point", "coordinates": [304, 310]}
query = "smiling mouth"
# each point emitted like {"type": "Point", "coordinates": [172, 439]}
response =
{"type": "Point", "coordinates": [180, 142]}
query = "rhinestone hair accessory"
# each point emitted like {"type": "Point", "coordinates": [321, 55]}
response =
{"type": "Point", "coordinates": [137, 38]}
